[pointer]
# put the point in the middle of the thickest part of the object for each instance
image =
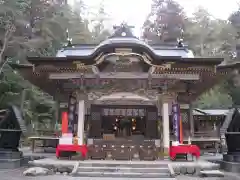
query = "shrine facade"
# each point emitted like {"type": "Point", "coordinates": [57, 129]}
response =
{"type": "Point", "coordinates": [125, 89]}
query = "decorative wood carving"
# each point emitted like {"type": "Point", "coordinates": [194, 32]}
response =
{"type": "Point", "coordinates": [125, 65]}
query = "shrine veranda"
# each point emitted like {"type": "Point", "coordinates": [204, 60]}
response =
{"type": "Point", "coordinates": [123, 79]}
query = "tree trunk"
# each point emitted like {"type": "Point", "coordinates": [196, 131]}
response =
{"type": "Point", "coordinates": [23, 97]}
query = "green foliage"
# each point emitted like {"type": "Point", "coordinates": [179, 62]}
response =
{"type": "Point", "coordinates": [216, 98]}
{"type": "Point", "coordinates": [165, 22]}
{"type": "Point", "coordinates": [205, 35]}
{"type": "Point", "coordinates": [38, 28]}
{"type": "Point", "coordinates": [35, 28]}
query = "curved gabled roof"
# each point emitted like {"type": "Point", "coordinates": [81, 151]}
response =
{"type": "Point", "coordinates": [157, 51]}
{"type": "Point", "coordinates": [123, 38]}
{"type": "Point", "coordinates": [95, 54]}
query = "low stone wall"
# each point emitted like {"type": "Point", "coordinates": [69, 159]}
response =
{"type": "Point", "coordinates": [193, 168]}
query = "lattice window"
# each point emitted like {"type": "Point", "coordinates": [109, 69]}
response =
{"type": "Point", "coordinates": [96, 116]}
{"type": "Point", "coordinates": [184, 116]}
{"type": "Point", "coordinates": [152, 116]}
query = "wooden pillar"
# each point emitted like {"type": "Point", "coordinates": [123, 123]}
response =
{"type": "Point", "coordinates": [166, 134]}
{"type": "Point", "coordinates": [191, 120]}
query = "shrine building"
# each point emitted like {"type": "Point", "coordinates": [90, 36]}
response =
{"type": "Point", "coordinates": [121, 91]}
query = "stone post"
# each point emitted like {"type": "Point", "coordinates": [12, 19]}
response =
{"type": "Point", "coordinates": [82, 105]}
{"type": "Point", "coordinates": [81, 117]}
{"type": "Point", "coordinates": [166, 134]}
{"type": "Point", "coordinates": [165, 99]}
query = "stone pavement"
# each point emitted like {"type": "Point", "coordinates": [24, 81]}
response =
{"type": "Point", "coordinates": [16, 174]}
{"type": "Point", "coordinates": [178, 167]}
{"type": "Point", "coordinates": [55, 161]}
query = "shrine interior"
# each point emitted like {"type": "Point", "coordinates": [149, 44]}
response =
{"type": "Point", "coordinates": [123, 122]}
{"type": "Point", "coordinates": [115, 121]}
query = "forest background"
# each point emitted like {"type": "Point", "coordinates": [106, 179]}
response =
{"type": "Point", "coordinates": [38, 28]}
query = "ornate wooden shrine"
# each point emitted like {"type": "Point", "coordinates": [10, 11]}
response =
{"type": "Point", "coordinates": [123, 79]}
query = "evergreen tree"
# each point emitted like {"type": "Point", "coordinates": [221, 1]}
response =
{"type": "Point", "coordinates": [165, 23]}
{"type": "Point", "coordinates": [33, 28]}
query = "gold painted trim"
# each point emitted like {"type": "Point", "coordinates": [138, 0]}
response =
{"type": "Point", "coordinates": [123, 50]}
{"type": "Point", "coordinates": [144, 57]}
{"type": "Point", "coordinates": [98, 57]}
{"type": "Point", "coordinates": [80, 65]}
{"type": "Point", "coordinates": [165, 66]}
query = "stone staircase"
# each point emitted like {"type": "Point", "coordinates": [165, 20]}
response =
{"type": "Point", "coordinates": [124, 170]}
{"type": "Point", "coordinates": [227, 121]}
{"type": "Point", "coordinates": [223, 129]}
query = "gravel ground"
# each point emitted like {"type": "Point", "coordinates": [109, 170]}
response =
{"type": "Point", "coordinates": [16, 174]}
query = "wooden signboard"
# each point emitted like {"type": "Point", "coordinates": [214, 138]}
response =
{"type": "Point", "coordinates": [108, 137]}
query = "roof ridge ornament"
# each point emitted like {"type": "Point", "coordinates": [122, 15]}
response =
{"type": "Point", "coordinates": [69, 40]}
{"type": "Point", "coordinates": [123, 31]}
{"type": "Point", "coordinates": [180, 43]}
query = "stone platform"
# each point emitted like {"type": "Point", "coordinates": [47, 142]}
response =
{"type": "Point", "coordinates": [111, 168]}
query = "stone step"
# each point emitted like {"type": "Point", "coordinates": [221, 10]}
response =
{"type": "Point", "coordinates": [122, 174]}
{"type": "Point", "coordinates": [124, 169]}
{"type": "Point", "coordinates": [127, 170]}
{"type": "Point", "coordinates": [211, 173]}
{"type": "Point", "coordinates": [131, 164]}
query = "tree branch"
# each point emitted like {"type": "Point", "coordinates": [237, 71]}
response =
{"type": "Point", "coordinates": [4, 46]}
{"type": "Point", "coordinates": [7, 35]}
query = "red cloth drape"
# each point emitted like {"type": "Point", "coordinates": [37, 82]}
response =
{"type": "Point", "coordinates": [64, 122]}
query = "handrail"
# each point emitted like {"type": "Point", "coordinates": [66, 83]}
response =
{"type": "Point", "coordinates": [10, 130]}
